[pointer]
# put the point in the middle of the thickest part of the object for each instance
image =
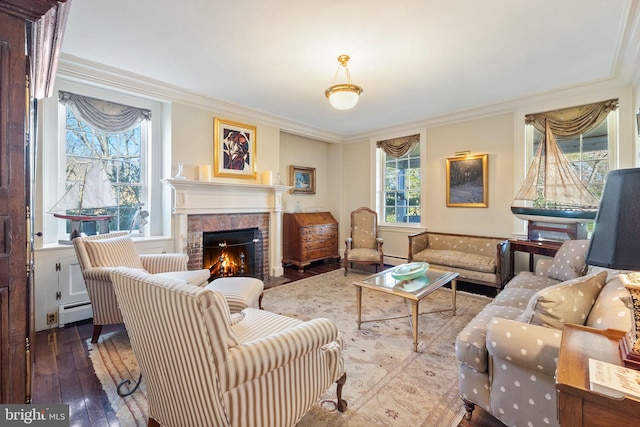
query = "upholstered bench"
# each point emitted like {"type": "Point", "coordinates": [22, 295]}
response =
{"type": "Point", "coordinates": [477, 259]}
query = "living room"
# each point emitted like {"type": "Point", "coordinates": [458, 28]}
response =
{"type": "Point", "coordinates": [344, 159]}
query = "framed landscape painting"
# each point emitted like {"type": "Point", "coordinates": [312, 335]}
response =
{"type": "Point", "coordinates": [234, 148]}
{"type": "Point", "coordinates": [302, 179]}
{"type": "Point", "coordinates": [467, 184]}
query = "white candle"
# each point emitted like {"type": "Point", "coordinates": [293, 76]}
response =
{"type": "Point", "coordinates": [267, 177]}
{"type": "Point", "coordinates": [204, 172]}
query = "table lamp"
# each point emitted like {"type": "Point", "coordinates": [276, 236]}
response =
{"type": "Point", "coordinates": [615, 244]}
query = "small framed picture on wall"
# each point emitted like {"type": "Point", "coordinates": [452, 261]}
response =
{"type": "Point", "coordinates": [302, 179]}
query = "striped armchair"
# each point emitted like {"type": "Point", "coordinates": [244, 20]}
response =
{"type": "Point", "coordinates": [98, 255]}
{"type": "Point", "coordinates": [205, 367]}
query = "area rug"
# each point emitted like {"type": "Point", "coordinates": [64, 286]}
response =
{"type": "Point", "coordinates": [388, 384]}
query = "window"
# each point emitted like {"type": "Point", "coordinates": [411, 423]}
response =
{"type": "Point", "coordinates": [587, 153]}
{"type": "Point", "coordinates": [118, 137]}
{"type": "Point", "coordinates": [401, 185]}
{"type": "Point", "coordinates": [120, 154]}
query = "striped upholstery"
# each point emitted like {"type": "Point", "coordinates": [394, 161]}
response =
{"type": "Point", "coordinates": [112, 252]}
{"type": "Point", "coordinates": [100, 254]}
{"type": "Point", "coordinates": [200, 370]}
{"type": "Point", "coordinates": [240, 292]}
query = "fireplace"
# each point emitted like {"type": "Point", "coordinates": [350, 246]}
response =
{"type": "Point", "coordinates": [231, 253]}
{"type": "Point", "coordinates": [200, 207]}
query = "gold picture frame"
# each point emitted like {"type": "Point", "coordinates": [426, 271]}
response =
{"type": "Point", "coordinates": [234, 146]}
{"type": "Point", "coordinates": [467, 185]}
{"type": "Point", "coordinates": [302, 180]}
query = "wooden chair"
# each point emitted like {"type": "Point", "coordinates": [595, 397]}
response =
{"type": "Point", "coordinates": [364, 246]}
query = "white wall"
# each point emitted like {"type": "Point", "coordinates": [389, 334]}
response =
{"type": "Point", "coordinates": [193, 145]}
{"type": "Point", "coordinates": [300, 151]}
{"type": "Point", "coordinates": [493, 136]}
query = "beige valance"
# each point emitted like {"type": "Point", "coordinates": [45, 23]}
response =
{"type": "Point", "coordinates": [570, 122]}
{"type": "Point", "coordinates": [398, 147]}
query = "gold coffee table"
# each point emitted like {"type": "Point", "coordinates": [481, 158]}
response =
{"type": "Point", "coordinates": [413, 291]}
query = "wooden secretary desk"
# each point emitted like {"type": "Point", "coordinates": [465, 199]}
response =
{"type": "Point", "coordinates": [309, 237]}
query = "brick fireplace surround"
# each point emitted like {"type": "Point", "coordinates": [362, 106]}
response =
{"type": "Point", "coordinates": [200, 206]}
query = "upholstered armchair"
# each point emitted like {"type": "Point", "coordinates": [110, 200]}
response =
{"type": "Point", "coordinates": [364, 246]}
{"type": "Point", "coordinates": [98, 255]}
{"type": "Point", "coordinates": [205, 367]}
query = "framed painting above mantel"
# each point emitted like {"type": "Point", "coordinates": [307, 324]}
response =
{"type": "Point", "coordinates": [234, 153]}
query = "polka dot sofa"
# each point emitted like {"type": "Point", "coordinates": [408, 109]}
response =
{"type": "Point", "coordinates": [508, 353]}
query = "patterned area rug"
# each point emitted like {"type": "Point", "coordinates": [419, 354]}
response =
{"type": "Point", "coordinates": [388, 384]}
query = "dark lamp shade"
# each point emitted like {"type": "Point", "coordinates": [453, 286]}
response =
{"type": "Point", "coordinates": [615, 242]}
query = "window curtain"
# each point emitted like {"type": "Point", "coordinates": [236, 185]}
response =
{"type": "Point", "coordinates": [570, 122]}
{"type": "Point", "coordinates": [398, 147]}
{"type": "Point", "coordinates": [45, 41]}
{"type": "Point", "coordinates": [104, 116]}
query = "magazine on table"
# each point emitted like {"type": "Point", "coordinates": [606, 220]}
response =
{"type": "Point", "coordinates": [613, 380]}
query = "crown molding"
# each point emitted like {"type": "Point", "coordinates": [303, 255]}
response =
{"type": "Point", "coordinates": [81, 70]}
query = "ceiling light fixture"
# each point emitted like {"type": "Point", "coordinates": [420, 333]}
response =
{"type": "Point", "coordinates": [343, 95]}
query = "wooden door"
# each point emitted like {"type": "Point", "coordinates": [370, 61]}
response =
{"type": "Point", "coordinates": [15, 285]}
{"type": "Point", "coordinates": [13, 252]}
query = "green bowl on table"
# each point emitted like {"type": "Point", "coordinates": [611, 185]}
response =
{"type": "Point", "coordinates": [409, 271]}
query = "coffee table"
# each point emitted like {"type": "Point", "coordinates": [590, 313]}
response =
{"type": "Point", "coordinates": [413, 291]}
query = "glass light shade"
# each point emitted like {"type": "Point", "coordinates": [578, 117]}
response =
{"type": "Point", "coordinates": [343, 96]}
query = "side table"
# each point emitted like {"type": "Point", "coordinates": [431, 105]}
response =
{"type": "Point", "coordinates": [577, 404]}
{"type": "Point", "coordinates": [532, 247]}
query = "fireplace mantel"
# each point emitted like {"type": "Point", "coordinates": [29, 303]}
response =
{"type": "Point", "coordinates": [219, 197]}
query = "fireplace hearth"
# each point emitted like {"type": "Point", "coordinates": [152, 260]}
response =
{"type": "Point", "coordinates": [230, 253]}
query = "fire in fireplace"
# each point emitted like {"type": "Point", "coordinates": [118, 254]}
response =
{"type": "Point", "coordinates": [233, 253]}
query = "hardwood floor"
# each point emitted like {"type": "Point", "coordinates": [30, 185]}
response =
{"type": "Point", "coordinates": [64, 373]}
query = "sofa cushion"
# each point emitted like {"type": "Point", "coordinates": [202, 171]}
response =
{"type": "Point", "coordinates": [609, 311]}
{"type": "Point", "coordinates": [569, 261]}
{"type": "Point", "coordinates": [114, 252]}
{"type": "Point", "coordinates": [566, 302]}
{"type": "Point", "coordinates": [452, 258]}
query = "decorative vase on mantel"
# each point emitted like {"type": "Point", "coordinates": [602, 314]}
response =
{"type": "Point", "coordinates": [179, 175]}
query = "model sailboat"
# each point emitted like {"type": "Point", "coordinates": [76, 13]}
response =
{"type": "Point", "coordinates": [92, 192]}
{"type": "Point", "coordinates": [552, 180]}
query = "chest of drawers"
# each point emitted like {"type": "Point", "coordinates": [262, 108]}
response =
{"type": "Point", "coordinates": [309, 237]}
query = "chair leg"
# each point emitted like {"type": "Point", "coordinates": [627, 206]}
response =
{"type": "Point", "coordinates": [97, 329]}
{"type": "Point", "coordinates": [153, 423]}
{"type": "Point", "coordinates": [260, 301]}
{"type": "Point", "coordinates": [346, 267]}
{"type": "Point", "coordinates": [341, 404]}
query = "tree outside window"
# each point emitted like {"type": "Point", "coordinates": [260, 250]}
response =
{"type": "Point", "coordinates": [121, 157]}
{"type": "Point", "coordinates": [401, 191]}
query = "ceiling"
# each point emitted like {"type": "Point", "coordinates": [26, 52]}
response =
{"type": "Point", "coordinates": [415, 59]}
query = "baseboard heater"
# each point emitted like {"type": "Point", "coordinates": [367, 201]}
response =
{"type": "Point", "coordinates": [394, 260]}
{"type": "Point", "coordinates": [75, 312]}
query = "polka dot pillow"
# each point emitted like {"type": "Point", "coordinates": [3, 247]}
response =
{"type": "Point", "coordinates": [566, 302]}
{"type": "Point", "coordinates": [569, 261]}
